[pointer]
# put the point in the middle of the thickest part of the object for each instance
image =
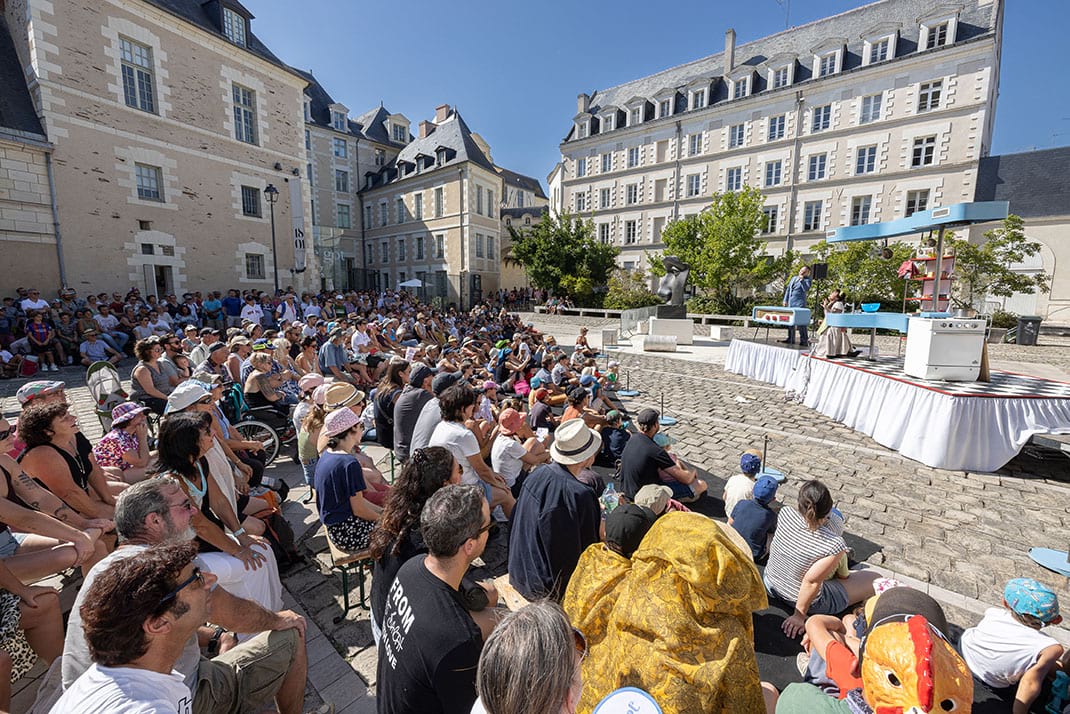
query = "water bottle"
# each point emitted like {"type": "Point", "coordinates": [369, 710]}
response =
{"type": "Point", "coordinates": [610, 498]}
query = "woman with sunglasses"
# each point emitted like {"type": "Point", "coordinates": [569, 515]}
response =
{"type": "Point", "coordinates": [52, 537]}
{"type": "Point", "coordinates": [243, 562]}
{"type": "Point", "coordinates": [61, 458]}
{"type": "Point", "coordinates": [531, 663]}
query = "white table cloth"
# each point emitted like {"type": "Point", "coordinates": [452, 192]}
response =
{"type": "Point", "coordinates": [766, 363]}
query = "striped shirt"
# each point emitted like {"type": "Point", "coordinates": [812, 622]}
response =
{"type": "Point", "coordinates": [795, 548]}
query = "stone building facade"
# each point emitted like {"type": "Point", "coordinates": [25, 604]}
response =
{"type": "Point", "coordinates": [340, 152]}
{"type": "Point", "coordinates": [433, 213]}
{"type": "Point", "coordinates": [168, 122]}
{"type": "Point", "coordinates": [862, 117]}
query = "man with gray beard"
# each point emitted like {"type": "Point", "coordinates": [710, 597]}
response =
{"type": "Point", "coordinates": [270, 663]}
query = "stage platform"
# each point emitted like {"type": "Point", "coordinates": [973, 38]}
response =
{"type": "Point", "coordinates": [964, 426]}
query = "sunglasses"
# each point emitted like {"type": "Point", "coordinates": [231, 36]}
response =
{"type": "Point", "coordinates": [197, 575]}
{"type": "Point", "coordinates": [580, 643]}
{"type": "Point", "coordinates": [7, 432]}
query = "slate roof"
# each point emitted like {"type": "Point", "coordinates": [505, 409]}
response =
{"type": "Point", "coordinates": [526, 211]}
{"type": "Point", "coordinates": [515, 180]}
{"type": "Point", "coordinates": [195, 12]}
{"type": "Point", "coordinates": [976, 19]}
{"type": "Point", "coordinates": [453, 134]}
{"type": "Point", "coordinates": [17, 112]}
{"type": "Point", "coordinates": [369, 125]}
{"type": "Point", "coordinates": [372, 125]}
{"type": "Point", "coordinates": [1037, 183]}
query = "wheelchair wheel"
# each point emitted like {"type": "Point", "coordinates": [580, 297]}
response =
{"type": "Point", "coordinates": [256, 430]}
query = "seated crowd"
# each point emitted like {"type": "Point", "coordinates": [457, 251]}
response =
{"type": "Point", "coordinates": [496, 432]}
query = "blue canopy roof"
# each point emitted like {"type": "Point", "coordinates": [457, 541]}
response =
{"type": "Point", "coordinates": [923, 221]}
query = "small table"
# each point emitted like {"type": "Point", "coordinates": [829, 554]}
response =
{"type": "Point", "coordinates": [871, 321]}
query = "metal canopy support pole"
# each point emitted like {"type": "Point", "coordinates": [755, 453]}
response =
{"type": "Point", "coordinates": [939, 271]}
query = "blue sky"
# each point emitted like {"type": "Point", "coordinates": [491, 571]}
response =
{"type": "Point", "coordinates": [514, 68]}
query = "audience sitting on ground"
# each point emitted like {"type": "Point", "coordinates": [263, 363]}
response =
{"type": "Point", "coordinates": [1007, 649]}
{"type": "Point", "coordinates": [531, 664]}
{"type": "Point", "coordinates": [516, 449]}
{"type": "Point", "coordinates": [269, 663]}
{"type": "Point", "coordinates": [806, 549]}
{"type": "Point", "coordinates": [642, 461]}
{"type": "Point", "coordinates": [430, 645]}
{"type": "Point", "coordinates": [456, 405]}
{"type": "Point", "coordinates": [556, 516]}
{"type": "Point", "coordinates": [682, 492]}
{"type": "Point", "coordinates": [614, 439]}
{"type": "Point", "coordinates": [740, 486]}
{"type": "Point", "coordinates": [755, 520]}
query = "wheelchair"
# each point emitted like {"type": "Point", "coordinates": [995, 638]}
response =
{"type": "Point", "coordinates": [263, 424]}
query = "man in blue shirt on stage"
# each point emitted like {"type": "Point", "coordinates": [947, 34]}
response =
{"type": "Point", "coordinates": [795, 296]}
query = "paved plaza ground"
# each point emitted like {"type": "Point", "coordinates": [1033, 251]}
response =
{"type": "Point", "coordinates": [958, 535]}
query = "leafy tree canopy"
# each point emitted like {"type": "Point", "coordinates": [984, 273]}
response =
{"type": "Point", "coordinates": [562, 254]}
{"type": "Point", "coordinates": [985, 269]}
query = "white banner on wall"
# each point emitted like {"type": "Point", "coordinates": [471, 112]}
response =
{"type": "Point", "coordinates": [297, 213]}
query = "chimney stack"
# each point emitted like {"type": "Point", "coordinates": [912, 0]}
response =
{"type": "Point", "coordinates": [729, 50]}
{"type": "Point", "coordinates": [442, 113]}
{"type": "Point", "coordinates": [583, 103]}
{"type": "Point", "coordinates": [426, 128]}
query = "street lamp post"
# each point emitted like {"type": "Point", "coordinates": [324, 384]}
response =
{"type": "Point", "coordinates": [272, 194]}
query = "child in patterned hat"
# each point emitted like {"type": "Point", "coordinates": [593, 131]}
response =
{"type": "Point", "coordinates": [1006, 649]}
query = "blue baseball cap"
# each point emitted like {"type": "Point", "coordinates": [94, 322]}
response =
{"type": "Point", "coordinates": [750, 464]}
{"type": "Point", "coordinates": [1027, 596]}
{"type": "Point", "coordinates": [765, 489]}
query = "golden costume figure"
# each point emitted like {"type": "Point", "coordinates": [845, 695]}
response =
{"type": "Point", "coordinates": [674, 621]}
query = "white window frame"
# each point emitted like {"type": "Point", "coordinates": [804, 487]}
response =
{"type": "Point", "coordinates": [479, 245]}
{"type": "Point", "coordinates": [771, 216]}
{"type": "Point", "coordinates": [697, 99]}
{"type": "Point", "coordinates": [607, 162]}
{"type": "Point", "coordinates": [631, 194]}
{"type": "Point", "coordinates": [340, 148]}
{"type": "Point", "coordinates": [440, 202]}
{"type": "Point", "coordinates": [916, 200]}
{"type": "Point", "coordinates": [634, 156]}
{"type": "Point", "coordinates": [634, 120]}
{"type": "Point", "coordinates": [139, 75]}
{"type": "Point", "coordinates": [402, 253]}
{"type": "Point", "coordinates": [663, 105]}
{"type": "Point", "coordinates": [693, 185]}
{"type": "Point", "coordinates": [926, 145]}
{"type": "Point", "coordinates": [149, 181]}
{"type": "Point", "coordinates": [817, 166]}
{"type": "Point", "coordinates": [631, 232]}
{"type": "Point", "coordinates": [778, 122]}
{"type": "Point", "coordinates": [737, 135]}
{"type": "Point", "coordinates": [341, 181]}
{"type": "Point", "coordinates": [581, 201]}
{"type": "Point", "coordinates": [825, 112]}
{"type": "Point", "coordinates": [733, 179]}
{"type": "Point", "coordinates": [775, 74]}
{"type": "Point", "coordinates": [861, 210]}
{"type": "Point", "coordinates": [774, 172]}
{"type": "Point", "coordinates": [870, 108]}
{"type": "Point", "coordinates": [812, 215]}
{"type": "Point", "coordinates": [244, 101]}
{"type": "Point", "coordinates": [865, 160]}
{"type": "Point", "coordinates": [930, 95]}
{"type": "Point", "coordinates": [440, 245]}
{"type": "Point", "coordinates": [741, 88]}
{"type": "Point", "coordinates": [870, 50]}
{"type": "Point", "coordinates": [827, 64]}
{"type": "Point", "coordinates": [419, 247]}
{"type": "Point", "coordinates": [930, 31]}
{"type": "Point", "coordinates": [603, 233]}
{"type": "Point", "coordinates": [418, 206]}
{"type": "Point", "coordinates": [694, 144]}
{"type": "Point", "coordinates": [234, 28]}
{"type": "Point", "coordinates": [604, 198]}
{"type": "Point", "coordinates": [581, 171]}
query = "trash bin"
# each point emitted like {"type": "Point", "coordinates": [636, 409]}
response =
{"type": "Point", "coordinates": [1028, 330]}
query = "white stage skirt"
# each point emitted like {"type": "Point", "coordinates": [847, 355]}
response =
{"type": "Point", "coordinates": [947, 431]}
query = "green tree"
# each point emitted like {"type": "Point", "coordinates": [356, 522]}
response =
{"type": "Point", "coordinates": [861, 270]}
{"type": "Point", "coordinates": [728, 260]}
{"type": "Point", "coordinates": [628, 289]}
{"type": "Point", "coordinates": [562, 254]}
{"type": "Point", "coordinates": [983, 269]}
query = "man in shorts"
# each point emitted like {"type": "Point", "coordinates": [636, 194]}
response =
{"type": "Point", "coordinates": [271, 665]}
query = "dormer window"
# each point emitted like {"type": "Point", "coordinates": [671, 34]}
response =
{"type": "Point", "coordinates": [826, 64]}
{"type": "Point", "coordinates": [582, 129]}
{"type": "Point", "coordinates": [338, 120]}
{"type": "Point", "coordinates": [741, 88]}
{"type": "Point", "coordinates": [936, 36]}
{"type": "Point", "coordinates": [781, 77]}
{"type": "Point", "coordinates": [399, 133]}
{"type": "Point", "coordinates": [664, 108]}
{"type": "Point", "coordinates": [234, 26]}
{"type": "Point", "coordinates": [879, 50]}
{"type": "Point", "coordinates": [308, 109]}
{"type": "Point", "coordinates": [635, 116]}
{"type": "Point", "coordinates": [879, 42]}
{"type": "Point", "coordinates": [698, 99]}
{"type": "Point", "coordinates": [440, 156]}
